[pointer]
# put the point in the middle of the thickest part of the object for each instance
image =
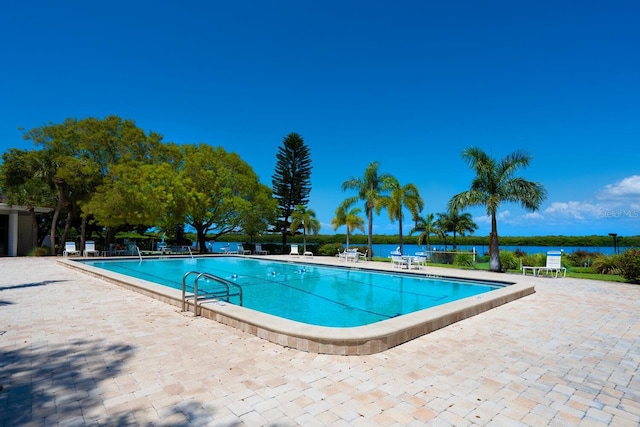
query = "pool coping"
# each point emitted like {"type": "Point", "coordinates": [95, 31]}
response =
{"type": "Point", "coordinates": [360, 340]}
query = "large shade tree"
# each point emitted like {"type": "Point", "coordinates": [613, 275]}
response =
{"type": "Point", "coordinates": [399, 198]}
{"type": "Point", "coordinates": [495, 183]}
{"type": "Point", "coordinates": [222, 191]}
{"type": "Point", "coordinates": [371, 188]}
{"type": "Point", "coordinates": [291, 180]}
{"type": "Point", "coordinates": [83, 153]}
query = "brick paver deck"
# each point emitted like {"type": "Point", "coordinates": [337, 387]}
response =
{"type": "Point", "coordinates": [75, 350]}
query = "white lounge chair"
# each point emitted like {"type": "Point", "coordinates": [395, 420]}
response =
{"type": "Point", "coordinates": [70, 249]}
{"type": "Point", "coordinates": [259, 250]}
{"type": "Point", "coordinates": [90, 248]}
{"type": "Point", "coordinates": [554, 264]}
{"type": "Point", "coordinates": [243, 251]}
{"type": "Point", "coordinates": [363, 256]}
{"type": "Point", "coordinates": [294, 251]}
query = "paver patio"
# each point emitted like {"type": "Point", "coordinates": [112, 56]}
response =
{"type": "Point", "coordinates": [75, 350]}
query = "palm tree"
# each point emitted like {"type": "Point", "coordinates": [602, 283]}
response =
{"type": "Point", "coordinates": [456, 223]}
{"type": "Point", "coordinates": [399, 198]}
{"type": "Point", "coordinates": [305, 218]}
{"type": "Point", "coordinates": [346, 215]}
{"type": "Point", "coordinates": [426, 227]}
{"type": "Point", "coordinates": [494, 184]}
{"type": "Point", "coordinates": [370, 189]}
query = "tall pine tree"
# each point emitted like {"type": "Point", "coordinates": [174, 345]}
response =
{"type": "Point", "coordinates": [291, 180]}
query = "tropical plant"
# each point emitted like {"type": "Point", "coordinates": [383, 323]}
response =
{"type": "Point", "coordinates": [306, 219]}
{"type": "Point", "coordinates": [508, 261]}
{"type": "Point", "coordinates": [534, 260]}
{"type": "Point", "coordinates": [495, 183]}
{"type": "Point", "coordinates": [401, 197]}
{"type": "Point", "coordinates": [291, 180]}
{"type": "Point", "coordinates": [348, 216]}
{"type": "Point", "coordinates": [455, 223]}
{"type": "Point", "coordinates": [371, 189]}
{"type": "Point", "coordinates": [426, 227]}
{"type": "Point", "coordinates": [464, 260]}
{"type": "Point", "coordinates": [329, 249]}
{"type": "Point", "coordinates": [604, 264]}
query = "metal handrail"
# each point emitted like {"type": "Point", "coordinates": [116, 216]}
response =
{"type": "Point", "coordinates": [184, 288]}
{"type": "Point", "coordinates": [227, 284]}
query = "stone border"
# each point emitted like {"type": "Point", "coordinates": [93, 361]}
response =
{"type": "Point", "coordinates": [361, 340]}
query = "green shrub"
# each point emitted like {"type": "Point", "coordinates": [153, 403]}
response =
{"type": "Point", "coordinates": [629, 263]}
{"type": "Point", "coordinates": [40, 251]}
{"type": "Point", "coordinates": [329, 249]}
{"type": "Point", "coordinates": [483, 259]}
{"type": "Point", "coordinates": [581, 258]}
{"type": "Point", "coordinates": [464, 260]}
{"type": "Point", "coordinates": [509, 261]}
{"type": "Point", "coordinates": [534, 260]}
{"type": "Point", "coordinates": [606, 264]}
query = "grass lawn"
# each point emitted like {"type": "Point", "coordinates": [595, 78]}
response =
{"type": "Point", "coordinates": [574, 272]}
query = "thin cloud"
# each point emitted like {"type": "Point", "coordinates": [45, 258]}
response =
{"type": "Point", "coordinates": [572, 209]}
{"type": "Point", "coordinates": [622, 194]}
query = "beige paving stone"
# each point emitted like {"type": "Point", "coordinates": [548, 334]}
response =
{"type": "Point", "coordinates": [79, 348]}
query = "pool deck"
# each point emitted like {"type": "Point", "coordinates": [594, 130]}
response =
{"type": "Point", "coordinates": [77, 350]}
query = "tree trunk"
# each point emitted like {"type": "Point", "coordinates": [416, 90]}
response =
{"type": "Point", "coordinates": [400, 235]}
{"type": "Point", "coordinates": [304, 239]}
{"type": "Point", "coordinates": [494, 249]}
{"type": "Point", "coordinates": [56, 215]}
{"type": "Point", "coordinates": [370, 234]}
{"type": "Point", "coordinates": [83, 231]}
{"type": "Point", "coordinates": [111, 236]}
{"type": "Point", "coordinates": [67, 227]}
{"type": "Point", "coordinates": [202, 244]}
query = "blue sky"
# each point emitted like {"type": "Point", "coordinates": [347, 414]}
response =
{"type": "Point", "coordinates": [409, 84]}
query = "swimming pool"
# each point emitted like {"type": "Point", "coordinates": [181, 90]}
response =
{"type": "Point", "coordinates": [312, 294]}
{"type": "Point", "coordinates": [385, 327]}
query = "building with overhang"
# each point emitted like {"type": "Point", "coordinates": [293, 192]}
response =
{"type": "Point", "coordinates": [16, 234]}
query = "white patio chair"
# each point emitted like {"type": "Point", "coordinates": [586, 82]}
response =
{"type": "Point", "coordinates": [554, 264]}
{"type": "Point", "coordinates": [259, 250]}
{"type": "Point", "coordinates": [294, 251]}
{"type": "Point", "coordinates": [90, 248]}
{"type": "Point", "coordinates": [70, 249]}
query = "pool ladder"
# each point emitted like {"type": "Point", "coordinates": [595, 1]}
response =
{"type": "Point", "coordinates": [226, 295]}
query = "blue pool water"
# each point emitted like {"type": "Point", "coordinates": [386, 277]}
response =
{"type": "Point", "coordinates": [317, 295]}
